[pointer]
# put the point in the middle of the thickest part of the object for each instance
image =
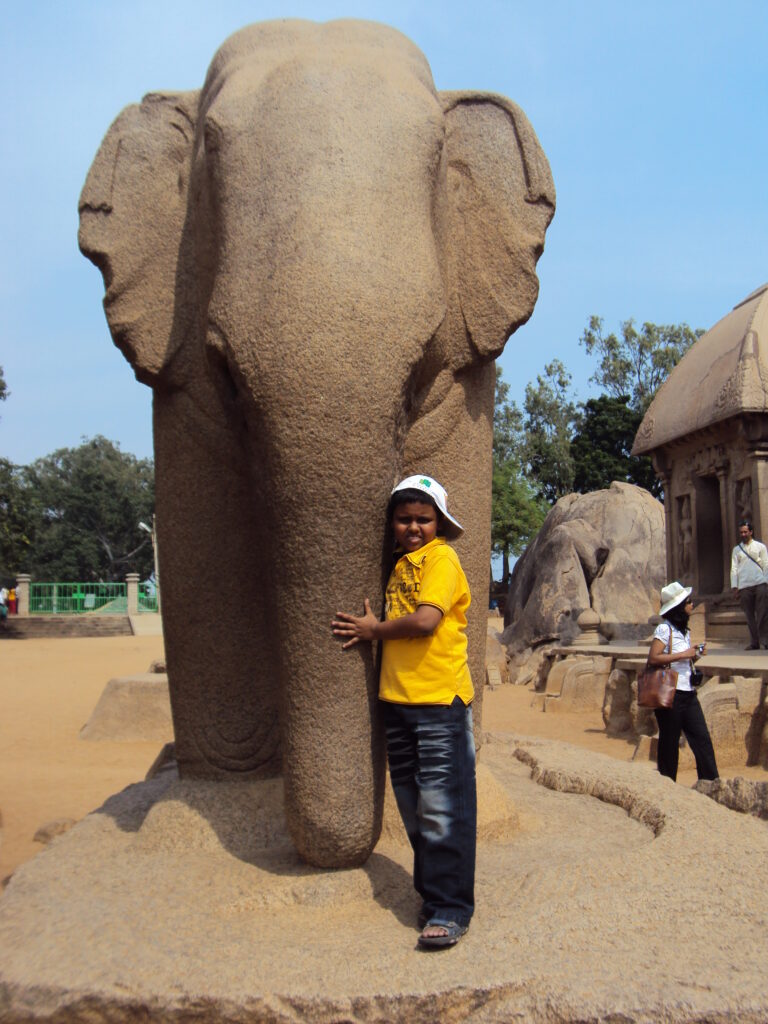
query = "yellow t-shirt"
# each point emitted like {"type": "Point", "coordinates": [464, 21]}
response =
{"type": "Point", "coordinates": [428, 669]}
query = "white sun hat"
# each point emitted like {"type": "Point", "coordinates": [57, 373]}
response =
{"type": "Point", "coordinates": [673, 594]}
{"type": "Point", "coordinates": [437, 492]}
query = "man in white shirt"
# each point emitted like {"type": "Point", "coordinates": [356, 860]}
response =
{"type": "Point", "coordinates": [749, 563]}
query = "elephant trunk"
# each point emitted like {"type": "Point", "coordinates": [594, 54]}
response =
{"type": "Point", "coordinates": [326, 556]}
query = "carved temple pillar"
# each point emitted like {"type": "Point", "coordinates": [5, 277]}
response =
{"type": "Point", "coordinates": [727, 516]}
{"type": "Point", "coordinates": [666, 482]}
{"type": "Point", "coordinates": [760, 493]}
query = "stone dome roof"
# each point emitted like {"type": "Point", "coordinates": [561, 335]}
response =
{"type": "Point", "coordinates": [723, 374]}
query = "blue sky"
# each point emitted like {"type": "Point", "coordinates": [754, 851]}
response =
{"type": "Point", "coordinates": [653, 117]}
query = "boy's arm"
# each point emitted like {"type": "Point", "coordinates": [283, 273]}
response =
{"type": "Point", "coordinates": [353, 628]}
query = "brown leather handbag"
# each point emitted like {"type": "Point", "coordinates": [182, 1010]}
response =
{"type": "Point", "coordinates": [656, 686]}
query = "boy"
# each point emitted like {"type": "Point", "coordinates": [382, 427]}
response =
{"type": "Point", "coordinates": [426, 693]}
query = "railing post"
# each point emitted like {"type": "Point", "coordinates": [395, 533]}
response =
{"type": "Point", "coordinates": [132, 582]}
{"type": "Point", "coordinates": [23, 581]}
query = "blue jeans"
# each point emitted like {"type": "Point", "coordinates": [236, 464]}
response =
{"type": "Point", "coordinates": [431, 753]}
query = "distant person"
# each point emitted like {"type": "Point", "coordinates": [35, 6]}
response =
{"type": "Point", "coordinates": [749, 563]}
{"type": "Point", "coordinates": [12, 601]}
{"type": "Point", "coordinates": [671, 645]}
{"type": "Point", "coordinates": [3, 603]}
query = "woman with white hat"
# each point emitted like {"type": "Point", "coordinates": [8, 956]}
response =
{"type": "Point", "coordinates": [671, 645]}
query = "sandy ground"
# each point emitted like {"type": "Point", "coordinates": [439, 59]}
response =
{"type": "Point", "coordinates": [48, 689]}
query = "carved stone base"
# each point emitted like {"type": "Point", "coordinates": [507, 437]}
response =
{"type": "Point", "coordinates": [179, 902]}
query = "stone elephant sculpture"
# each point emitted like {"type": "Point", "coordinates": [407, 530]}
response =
{"type": "Point", "coordinates": [313, 261]}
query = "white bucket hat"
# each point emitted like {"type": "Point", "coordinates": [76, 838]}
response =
{"type": "Point", "coordinates": [438, 494]}
{"type": "Point", "coordinates": [673, 594]}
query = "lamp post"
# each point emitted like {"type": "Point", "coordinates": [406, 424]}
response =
{"type": "Point", "coordinates": [153, 535]}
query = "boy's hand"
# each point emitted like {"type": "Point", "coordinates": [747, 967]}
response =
{"type": "Point", "coordinates": [355, 627]}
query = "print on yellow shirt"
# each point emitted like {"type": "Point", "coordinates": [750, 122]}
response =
{"type": "Point", "coordinates": [431, 669]}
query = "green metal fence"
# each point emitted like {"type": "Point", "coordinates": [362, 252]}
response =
{"type": "Point", "coordinates": [95, 598]}
{"type": "Point", "coordinates": [147, 598]}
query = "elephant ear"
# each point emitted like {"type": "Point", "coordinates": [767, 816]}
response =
{"type": "Point", "coordinates": [132, 212]}
{"type": "Point", "coordinates": [501, 199]}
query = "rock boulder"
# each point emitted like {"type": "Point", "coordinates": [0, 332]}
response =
{"type": "Point", "coordinates": [604, 551]}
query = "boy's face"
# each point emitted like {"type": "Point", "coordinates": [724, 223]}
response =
{"type": "Point", "coordinates": [414, 524]}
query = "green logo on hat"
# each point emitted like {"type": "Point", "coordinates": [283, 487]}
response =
{"type": "Point", "coordinates": [425, 481]}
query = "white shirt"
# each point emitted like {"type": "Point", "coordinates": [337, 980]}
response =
{"type": "Point", "coordinates": [744, 572]}
{"type": "Point", "coordinates": [680, 642]}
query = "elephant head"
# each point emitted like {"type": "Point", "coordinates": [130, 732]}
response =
{"type": "Point", "coordinates": [313, 262]}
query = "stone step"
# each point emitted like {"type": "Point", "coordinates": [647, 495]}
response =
{"type": "Point", "coordinates": [40, 626]}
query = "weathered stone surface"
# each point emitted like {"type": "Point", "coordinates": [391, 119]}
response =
{"type": "Point", "coordinates": [646, 749]}
{"type": "Point", "coordinates": [727, 726]}
{"type": "Point", "coordinates": [577, 683]}
{"type": "Point", "coordinates": [622, 714]}
{"type": "Point", "coordinates": [530, 667]}
{"type": "Point", "coordinates": [744, 795]}
{"type": "Point", "coordinates": [750, 693]}
{"type": "Point", "coordinates": [617, 705]}
{"type": "Point", "coordinates": [165, 761]}
{"type": "Point", "coordinates": [589, 629]}
{"type": "Point", "coordinates": [495, 652]}
{"type": "Point", "coordinates": [323, 240]}
{"type": "Point", "coordinates": [246, 818]}
{"type": "Point", "coordinates": [604, 551]}
{"type": "Point", "coordinates": [215, 932]}
{"type": "Point", "coordinates": [132, 708]}
{"type": "Point", "coordinates": [492, 677]}
{"type": "Point", "coordinates": [48, 832]}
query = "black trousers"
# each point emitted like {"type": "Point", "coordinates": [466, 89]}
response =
{"type": "Point", "coordinates": [754, 604]}
{"type": "Point", "coordinates": [685, 716]}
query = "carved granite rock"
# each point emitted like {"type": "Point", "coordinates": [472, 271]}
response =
{"type": "Point", "coordinates": [313, 261]}
{"type": "Point", "coordinates": [604, 551]}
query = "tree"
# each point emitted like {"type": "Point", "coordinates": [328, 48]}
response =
{"type": "Point", "coordinates": [559, 445]}
{"type": "Point", "coordinates": [516, 511]}
{"type": "Point", "coordinates": [91, 500]}
{"type": "Point", "coordinates": [551, 418]}
{"type": "Point", "coordinates": [17, 518]}
{"type": "Point", "coordinates": [637, 363]}
{"type": "Point", "coordinates": [4, 392]}
{"type": "Point", "coordinates": [517, 514]}
{"type": "Point", "coordinates": [602, 444]}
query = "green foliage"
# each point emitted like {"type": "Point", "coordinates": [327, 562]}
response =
{"type": "Point", "coordinates": [17, 518]}
{"type": "Point", "coordinates": [601, 447]}
{"type": "Point", "coordinates": [516, 511]}
{"type": "Point", "coordinates": [557, 445]}
{"type": "Point", "coordinates": [637, 363]}
{"type": "Point", "coordinates": [4, 392]}
{"type": "Point", "coordinates": [551, 418]}
{"type": "Point", "coordinates": [90, 501]}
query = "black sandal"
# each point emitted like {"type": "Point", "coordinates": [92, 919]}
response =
{"type": "Point", "coordinates": [453, 932]}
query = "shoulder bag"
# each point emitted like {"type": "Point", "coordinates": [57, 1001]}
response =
{"type": "Point", "coordinates": [656, 686]}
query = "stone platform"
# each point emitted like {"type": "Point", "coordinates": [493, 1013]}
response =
{"type": "Point", "coordinates": [720, 659]}
{"type": "Point", "coordinates": [182, 902]}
